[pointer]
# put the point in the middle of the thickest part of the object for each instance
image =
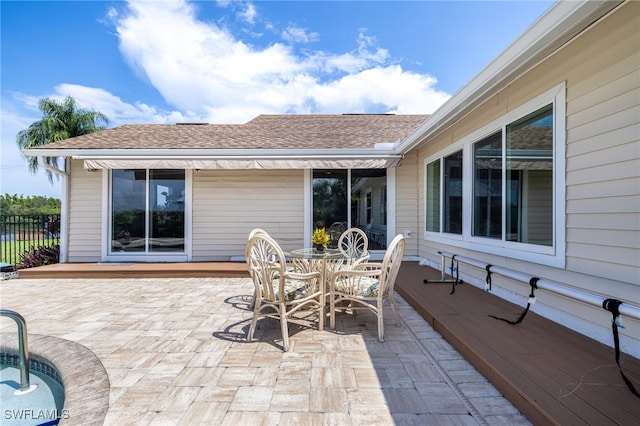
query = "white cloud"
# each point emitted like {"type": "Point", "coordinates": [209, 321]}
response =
{"type": "Point", "coordinates": [387, 87]}
{"type": "Point", "coordinates": [249, 13]}
{"type": "Point", "coordinates": [205, 71]}
{"type": "Point", "coordinates": [299, 35]}
{"type": "Point", "coordinates": [118, 111]}
{"type": "Point", "coordinates": [245, 11]}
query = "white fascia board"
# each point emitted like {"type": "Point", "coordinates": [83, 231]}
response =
{"type": "Point", "coordinates": [561, 23]}
{"type": "Point", "coordinates": [76, 153]}
{"type": "Point", "coordinates": [233, 157]}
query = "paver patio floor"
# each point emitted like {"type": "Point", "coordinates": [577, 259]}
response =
{"type": "Point", "coordinates": [175, 353]}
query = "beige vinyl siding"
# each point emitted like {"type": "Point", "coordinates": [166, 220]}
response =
{"type": "Point", "coordinates": [408, 190]}
{"type": "Point", "coordinates": [228, 204]}
{"type": "Point", "coordinates": [85, 214]}
{"type": "Point", "coordinates": [603, 153]}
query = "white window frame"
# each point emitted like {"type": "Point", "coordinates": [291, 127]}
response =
{"type": "Point", "coordinates": [383, 205]}
{"type": "Point", "coordinates": [440, 158]}
{"type": "Point", "coordinates": [391, 207]}
{"type": "Point", "coordinates": [108, 256]}
{"type": "Point", "coordinates": [368, 206]}
{"type": "Point", "coordinates": [554, 255]}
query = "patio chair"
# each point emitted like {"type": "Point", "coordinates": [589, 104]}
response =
{"type": "Point", "coordinates": [256, 231]}
{"type": "Point", "coordinates": [354, 245]}
{"type": "Point", "coordinates": [280, 293]}
{"type": "Point", "coordinates": [368, 286]}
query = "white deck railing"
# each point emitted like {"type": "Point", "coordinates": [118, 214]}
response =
{"type": "Point", "coordinates": [627, 309]}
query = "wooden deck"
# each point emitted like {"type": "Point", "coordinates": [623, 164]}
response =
{"type": "Point", "coordinates": [138, 270]}
{"type": "Point", "coordinates": [552, 374]}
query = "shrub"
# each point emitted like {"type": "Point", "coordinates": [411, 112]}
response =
{"type": "Point", "coordinates": [40, 256]}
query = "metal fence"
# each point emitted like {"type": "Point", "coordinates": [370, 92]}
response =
{"type": "Point", "coordinates": [19, 233]}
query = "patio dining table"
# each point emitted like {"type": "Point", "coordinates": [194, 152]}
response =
{"type": "Point", "coordinates": [309, 259]}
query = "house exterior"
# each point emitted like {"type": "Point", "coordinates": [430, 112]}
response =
{"type": "Point", "coordinates": [193, 192]}
{"type": "Point", "coordinates": [534, 166]}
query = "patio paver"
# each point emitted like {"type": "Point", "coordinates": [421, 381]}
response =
{"type": "Point", "coordinates": [175, 353]}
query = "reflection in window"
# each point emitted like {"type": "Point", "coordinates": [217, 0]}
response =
{"type": "Point", "coordinates": [329, 197]}
{"type": "Point", "coordinates": [366, 193]}
{"type": "Point", "coordinates": [444, 194]}
{"type": "Point", "coordinates": [147, 210]}
{"type": "Point", "coordinates": [128, 197]}
{"type": "Point", "coordinates": [487, 187]}
{"type": "Point", "coordinates": [433, 197]}
{"type": "Point", "coordinates": [330, 202]}
{"type": "Point", "coordinates": [452, 198]}
{"type": "Point", "coordinates": [527, 203]}
{"type": "Point", "coordinates": [383, 205]}
{"type": "Point", "coordinates": [167, 210]}
{"type": "Point", "coordinates": [369, 195]}
{"type": "Point", "coordinates": [529, 167]}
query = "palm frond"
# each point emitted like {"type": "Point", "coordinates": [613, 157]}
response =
{"type": "Point", "coordinates": [61, 120]}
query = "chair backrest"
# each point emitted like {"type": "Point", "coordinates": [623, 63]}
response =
{"type": "Point", "coordinates": [257, 231]}
{"type": "Point", "coordinates": [391, 265]}
{"type": "Point", "coordinates": [267, 263]}
{"type": "Point", "coordinates": [354, 245]}
{"type": "Point", "coordinates": [336, 230]}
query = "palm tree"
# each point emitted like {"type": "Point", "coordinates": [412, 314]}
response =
{"type": "Point", "coordinates": [60, 121]}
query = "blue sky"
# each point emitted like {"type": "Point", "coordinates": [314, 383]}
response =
{"type": "Point", "coordinates": [228, 61]}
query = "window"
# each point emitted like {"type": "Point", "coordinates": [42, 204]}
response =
{"type": "Point", "coordinates": [501, 189]}
{"type": "Point", "coordinates": [515, 183]}
{"type": "Point", "coordinates": [529, 176]}
{"type": "Point", "coordinates": [147, 211]}
{"type": "Point", "coordinates": [452, 194]}
{"type": "Point", "coordinates": [444, 194]}
{"type": "Point", "coordinates": [433, 196]}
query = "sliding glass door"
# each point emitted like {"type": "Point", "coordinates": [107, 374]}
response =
{"type": "Point", "coordinates": [351, 198]}
{"type": "Point", "coordinates": [147, 211]}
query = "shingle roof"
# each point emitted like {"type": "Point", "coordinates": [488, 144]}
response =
{"type": "Point", "coordinates": [264, 131]}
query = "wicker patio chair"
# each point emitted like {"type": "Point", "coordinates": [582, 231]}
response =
{"type": "Point", "coordinates": [354, 245]}
{"type": "Point", "coordinates": [368, 286]}
{"type": "Point", "coordinates": [279, 292]}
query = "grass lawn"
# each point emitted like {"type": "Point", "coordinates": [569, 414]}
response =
{"type": "Point", "coordinates": [11, 250]}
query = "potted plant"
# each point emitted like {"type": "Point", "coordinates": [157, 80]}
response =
{"type": "Point", "coordinates": [320, 239]}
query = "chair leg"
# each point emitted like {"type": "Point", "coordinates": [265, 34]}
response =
{"type": "Point", "coordinates": [253, 302]}
{"type": "Point", "coordinates": [252, 327]}
{"type": "Point", "coordinates": [332, 313]}
{"type": "Point", "coordinates": [322, 313]}
{"type": "Point", "coordinates": [284, 326]}
{"type": "Point", "coordinates": [380, 324]}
